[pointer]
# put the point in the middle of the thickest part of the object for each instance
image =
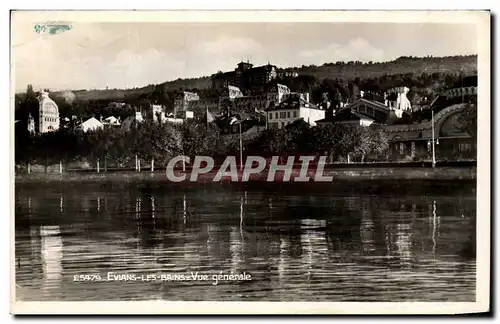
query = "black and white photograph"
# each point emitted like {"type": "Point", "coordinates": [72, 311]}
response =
{"type": "Point", "coordinates": [294, 162]}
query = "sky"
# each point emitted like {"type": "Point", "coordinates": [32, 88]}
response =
{"type": "Point", "coordinates": [126, 55]}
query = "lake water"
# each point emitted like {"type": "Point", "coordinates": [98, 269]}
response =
{"type": "Point", "coordinates": [360, 241]}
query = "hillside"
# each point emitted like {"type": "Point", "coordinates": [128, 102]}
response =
{"type": "Point", "coordinates": [342, 70]}
{"type": "Point", "coordinates": [127, 94]}
{"type": "Point", "coordinates": [351, 70]}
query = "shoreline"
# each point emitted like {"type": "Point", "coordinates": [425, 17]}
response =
{"type": "Point", "coordinates": [354, 173]}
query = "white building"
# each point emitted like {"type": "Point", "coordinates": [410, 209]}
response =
{"type": "Point", "coordinates": [158, 113]}
{"type": "Point", "coordinates": [174, 120]}
{"type": "Point", "coordinates": [48, 120]}
{"type": "Point", "coordinates": [278, 94]}
{"type": "Point", "coordinates": [234, 92]}
{"type": "Point", "coordinates": [111, 121]}
{"type": "Point", "coordinates": [90, 125]}
{"type": "Point", "coordinates": [292, 109]}
{"type": "Point", "coordinates": [398, 100]}
{"type": "Point", "coordinates": [181, 103]}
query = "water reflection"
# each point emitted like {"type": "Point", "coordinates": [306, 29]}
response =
{"type": "Point", "coordinates": [51, 253]}
{"type": "Point", "coordinates": [434, 227]}
{"type": "Point", "coordinates": [297, 246]}
{"type": "Point", "coordinates": [367, 234]}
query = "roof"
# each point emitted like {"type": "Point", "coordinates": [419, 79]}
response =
{"type": "Point", "coordinates": [91, 120]}
{"type": "Point", "coordinates": [224, 75]}
{"type": "Point", "coordinates": [349, 115]}
{"type": "Point", "coordinates": [370, 102]}
{"type": "Point", "coordinates": [349, 111]}
{"type": "Point", "coordinates": [263, 67]}
{"type": "Point", "coordinates": [295, 102]}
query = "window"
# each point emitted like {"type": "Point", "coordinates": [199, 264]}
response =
{"type": "Point", "coordinates": [401, 148]}
{"type": "Point", "coordinates": [295, 114]}
{"type": "Point", "coordinates": [283, 114]}
{"type": "Point", "coordinates": [270, 115]}
{"type": "Point", "coordinates": [276, 115]}
{"type": "Point", "coordinates": [287, 114]}
{"type": "Point", "coordinates": [464, 147]}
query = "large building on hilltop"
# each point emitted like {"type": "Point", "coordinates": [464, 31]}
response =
{"type": "Point", "coordinates": [246, 77]}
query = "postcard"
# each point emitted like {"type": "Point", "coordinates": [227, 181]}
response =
{"type": "Point", "coordinates": [250, 162]}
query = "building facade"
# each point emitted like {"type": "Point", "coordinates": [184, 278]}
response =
{"type": "Point", "coordinates": [246, 77]}
{"type": "Point", "coordinates": [181, 103]}
{"type": "Point", "coordinates": [156, 113]}
{"type": "Point", "coordinates": [250, 104]}
{"type": "Point", "coordinates": [287, 73]}
{"type": "Point", "coordinates": [397, 99]}
{"type": "Point", "coordinates": [278, 93]}
{"type": "Point", "coordinates": [200, 106]}
{"type": "Point", "coordinates": [291, 109]}
{"type": "Point", "coordinates": [48, 119]}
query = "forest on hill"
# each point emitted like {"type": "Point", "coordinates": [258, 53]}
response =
{"type": "Point", "coordinates": [346, 71]}
{"type": "Point", "coordinates": [402, 65]}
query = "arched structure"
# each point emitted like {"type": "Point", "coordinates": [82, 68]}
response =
{"type": "Point", "coordinates": [411, 140]}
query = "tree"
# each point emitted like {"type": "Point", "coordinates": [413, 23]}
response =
{"type": "Point", "coordinates": [197, 139]}
{"type": "Point", "coordinates": [371, 143]}
{"type": "Point", "coordinates": [468, 120]}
